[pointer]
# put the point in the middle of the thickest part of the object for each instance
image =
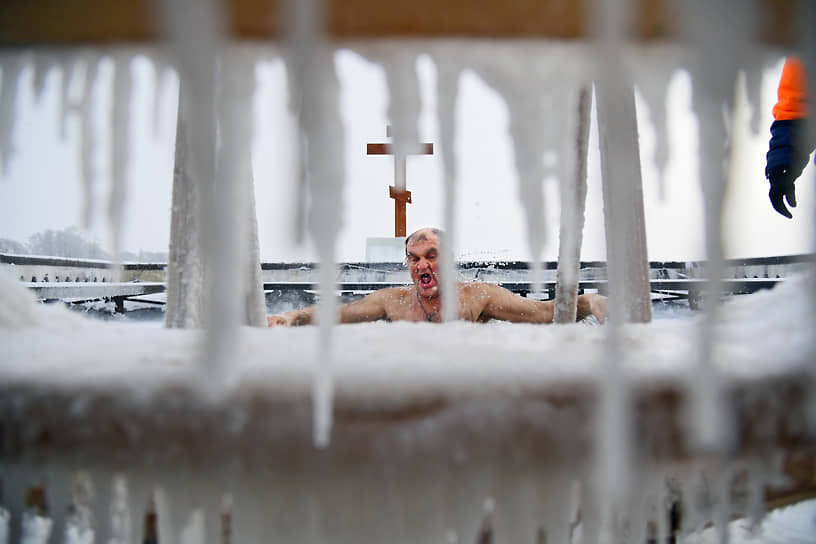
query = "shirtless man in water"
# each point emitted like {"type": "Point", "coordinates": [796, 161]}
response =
{"type": "Point", "coordinates": [422, 302]}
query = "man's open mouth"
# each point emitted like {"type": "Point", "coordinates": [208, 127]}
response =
{"type": "Point", "coordinates": [425, 279]}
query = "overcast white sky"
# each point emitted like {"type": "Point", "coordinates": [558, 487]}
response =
{"type": "Point", "coordinates": [41, 185]}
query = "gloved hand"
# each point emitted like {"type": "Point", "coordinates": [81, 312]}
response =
{"type": "Point", "coordinates": [787, 156]}
{"type": "Point", "coordinates": [782, 187]}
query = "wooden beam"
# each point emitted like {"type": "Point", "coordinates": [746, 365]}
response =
{"type": "Point", "coordinates": [387, 149]}
{"type": "Point", "coordinates": [88, 22]}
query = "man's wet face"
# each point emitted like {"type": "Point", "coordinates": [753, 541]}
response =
{"type": "Point", "coordinates": [423, 258]}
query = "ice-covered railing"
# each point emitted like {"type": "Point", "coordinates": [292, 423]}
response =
{"type": "Point", "coordinates": [536, 57]}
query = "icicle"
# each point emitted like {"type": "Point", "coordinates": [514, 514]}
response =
{"type": "Point", "coordinates": [627, 262]}
{"type": "Point", "coordinates": [403, 108]}
{"type": "Point", "coordinates": [755, 507]}
{"type": "Point", "coordinates": [235, 175]}
{"type": "Point", "coordinates": [314, 80]}
{"type": "Point", "coordinates": [69, 74]}
{"type": "Point", "coordinates": [714, 78]}
{"type": "Point", "coordinates": [753, 92]}
{"type": "Point", "coordinates": [652, 75]}
{"type": "Point", "coordinates": [120, 520]}
{"type": "Point", "coordinates": [324, 134]}
{"type": "Point", "coordinates": [614, 428]}
{"type": "Point", "coordinates": [196, 38]}
{"type": "Point", "coordinates": [120, 154]}
{"type": "Point", "coordinates": [520, 81]}
{"type": "Point", "coordinates": [163, 75]}
{"type": "Point", "coordinates": [43, 63]}
{"type": "Point", "coordinates": [79, 525]}
{"type": "Point", "coordinates": [323, 395]}
{"type": "Point", "coordinates": [525, 121]}
{"type": "Point", "coordinates": [87, 140]}
{"type": "Point", "coordinates": [12, 67]}
{"type": "Point", "coordinates": [447, 88]}
{"type": "Point", "coordinates": [305, 22]}
{"type": "Point", "coordinates": [722, 508]}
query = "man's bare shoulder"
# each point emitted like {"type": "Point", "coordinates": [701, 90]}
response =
{"type": "Point", "coordinates": [397, 302]}
{"type": "Point", "coordinates": [393, 293]}
{"type": "Point", "coordinates": [481, 289]}
{"type": "Point", "coordinates": [389, 297]}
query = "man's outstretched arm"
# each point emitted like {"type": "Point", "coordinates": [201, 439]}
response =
{"type": "Point", "coordinates": [369, 308]}
{"type": "Point", "coordinates": [505, 305]}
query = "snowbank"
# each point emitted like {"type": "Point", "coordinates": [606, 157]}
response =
{"type": "Point", "coordinates": [759, 335]}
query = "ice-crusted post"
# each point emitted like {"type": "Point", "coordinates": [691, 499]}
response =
{"type": "Point", "coordinates": [185, 297]}
{"type": "Point", "coordinates": [627, 260]}
{"type": "Point", "coordinates": [120, 153]}
{"type": "Point", "coordinates": [194, 29]}
{"type": "Point", "coordinates": [240, 249]}
{"type": "Point", "coordinates": [314, 81]}
{"type": "Point", "coordinates": [573, 203]}
{"type": "Point", "coordinates": [447, 87]}
{"type": "Point", "coordinates": [193, 40]}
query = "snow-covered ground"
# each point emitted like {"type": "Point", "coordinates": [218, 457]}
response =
{"type": "Point", "coordinates": [794, 524]}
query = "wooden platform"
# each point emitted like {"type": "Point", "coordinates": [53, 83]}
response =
{"type": "Point", "coordinates": [87, 22]}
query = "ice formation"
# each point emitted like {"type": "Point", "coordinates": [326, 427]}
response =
{"type": "Point", "coordinates": [471, 427]}
{"type": "Point", "coordinates": [447, 88]}
{"type": "Point", "coordinates": [315, 88]}
{"type": "Point", "coordinates": [12, 66]}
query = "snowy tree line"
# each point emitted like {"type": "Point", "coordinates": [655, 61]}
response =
{"type": "Point", "coordinates": [70, 243]}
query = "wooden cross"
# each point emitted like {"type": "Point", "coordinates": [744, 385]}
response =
{"type": "Point", "coordinates": [398, 191]}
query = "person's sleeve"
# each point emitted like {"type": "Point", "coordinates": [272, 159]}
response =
{"type": "Point", "coordinates": [792, 95]}
{"type": "Point", "coordinates": [789, 147]}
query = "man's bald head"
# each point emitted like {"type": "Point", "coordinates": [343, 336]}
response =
{"type": "Point", "coordinates": [423, 234]}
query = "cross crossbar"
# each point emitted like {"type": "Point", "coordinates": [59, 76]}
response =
{"type": "Point", "coordinates": [388, 149]}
